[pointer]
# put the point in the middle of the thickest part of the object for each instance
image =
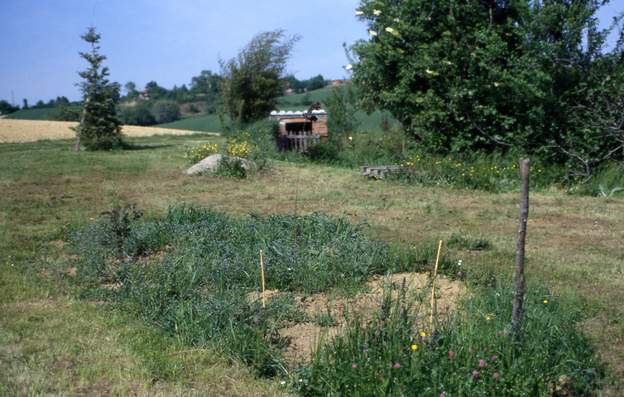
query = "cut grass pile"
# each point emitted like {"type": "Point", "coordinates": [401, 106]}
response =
{"type": "Point", "coordinates": [13, 131]}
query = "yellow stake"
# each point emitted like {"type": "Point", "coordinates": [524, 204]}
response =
{"type": "Point", "coordinates": [434, 308]}
{"type": "Point", "coordinates": [262, 279]}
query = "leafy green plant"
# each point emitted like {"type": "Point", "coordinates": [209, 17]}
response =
{"type": "Point", "coordinates": [471, 353]}
{"type": "Point", "coordinates": [231, 167]}
{"type": "Point", "coordinates": [200, 152]}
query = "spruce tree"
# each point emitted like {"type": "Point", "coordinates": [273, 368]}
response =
{"type": "Point", "coordinates": [99, 126]}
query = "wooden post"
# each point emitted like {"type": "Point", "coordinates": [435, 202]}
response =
{"type": "Point", "coordinates": [262, 280]}
{"type": "Point", "coordinates": [434, 306]}
{"type": "Point", "coordinates": [517, 313]}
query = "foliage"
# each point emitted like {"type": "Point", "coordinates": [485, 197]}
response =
{"type": "Point", "coordinates": [66, 113]}
{"type": "Point", "coordinates": [165, 111]}
{"type": "Point", "coordinates": [137, 114]}
{"type": "Point", "coordinates": [341, 114]}
{"type": "Point", "coordinates": [6, 107]}
{"type": "Point", "coordinates": [301, 86]}
{"type": "Point", "coordinates": [253, 80]}
{"type": "Point", "coordinates": [238, 148]}
{"type": "Point", "coordinates": [99, 126]}
{"type": "Point", "coordinates": [493, 76]}
{"type": "Point", "coordinates": [324, 152]}
{"type": "Point", "coordinates": [231, 167]}
{"type": "Point", "coordinates": [493, 172]}
{"type": "Point", "coordinates": [471, 353]}
{"type": "Point", "coordinates": [200, 152]}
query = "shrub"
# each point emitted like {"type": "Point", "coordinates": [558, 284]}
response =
{"type": "Point", "coordinates": [139, 114]}
{"type": "Point", "coordinates": [166, 111]}
{"type": "Point", "coordinates": [238, 148]}
{"type": "Point", "coordinates": [200, 152]}
{"type": "Point", "coordinates": [231, 167]}
{"type": "Point", "coordinates": [323, 152]}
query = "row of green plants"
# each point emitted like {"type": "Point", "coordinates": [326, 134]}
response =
{"type": "Point", "coordinates": [190, 273]}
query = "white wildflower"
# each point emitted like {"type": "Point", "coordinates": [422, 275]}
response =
{"type": "Point", "coordinates": [376, 12]}
{"type": "Point", "coordinates": [392, 31]}
{"type": "Point", "coordinates": [372, 32]}
{"type": "Point", "coordinates": [359, 13]}
{"type": "Point", "coordinates": [348, 66]}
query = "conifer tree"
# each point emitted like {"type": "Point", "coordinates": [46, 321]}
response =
{"type": "Point", "coordinates": [99, 126]}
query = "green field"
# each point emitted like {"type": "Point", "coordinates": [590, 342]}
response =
{"type": "Point", "coordinates": [205, 123]}
{"type": "Point", "coordinates": [55, 342]}
{"type": "Point", "coordinates": [32, 114]}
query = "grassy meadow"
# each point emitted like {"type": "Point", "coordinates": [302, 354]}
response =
{"type": "Point", "coordinates": [56, 340]}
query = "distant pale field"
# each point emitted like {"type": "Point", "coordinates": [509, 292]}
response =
{"type": "Point", "coordinates": [14, 131]}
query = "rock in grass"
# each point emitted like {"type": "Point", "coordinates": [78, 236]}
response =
{"type": "Point", "coordinates": [211, 163]}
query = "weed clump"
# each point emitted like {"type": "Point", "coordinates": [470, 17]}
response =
{"type": "Point", "coordinates": [190, 273]}
{"type": "Point", "coordinates": [471, 353]}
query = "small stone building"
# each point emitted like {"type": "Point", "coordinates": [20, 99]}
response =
{"type": "Point", "coordinates": [298, 130]}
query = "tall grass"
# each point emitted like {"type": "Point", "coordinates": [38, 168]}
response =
{"type": "Point", "coordinates": [190, 272]}
{"type": "Point", "coordinates": [471, 354]}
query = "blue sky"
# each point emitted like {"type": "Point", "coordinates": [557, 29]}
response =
{"type": "Point", "coordinates": [165, 40]}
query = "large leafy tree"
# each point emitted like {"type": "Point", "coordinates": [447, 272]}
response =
{"type": "Point", "coordinates": [482, 74]}
{"type": "Point", "coordinates": [99, 126]}
{"type": "Point", "coordinates": [253, 80]}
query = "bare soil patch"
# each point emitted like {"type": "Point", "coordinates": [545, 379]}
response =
{"type": "Point", "coordinates": [328, 315]}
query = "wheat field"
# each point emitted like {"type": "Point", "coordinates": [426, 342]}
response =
{"type": "Point", "coordinates": [15, 131]}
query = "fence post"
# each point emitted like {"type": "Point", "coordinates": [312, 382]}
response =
{"type": "Point", "coordinates": [517, 312]}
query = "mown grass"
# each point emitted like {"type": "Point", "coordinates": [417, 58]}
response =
{"type": "Point", "coordinates": [574, 243]}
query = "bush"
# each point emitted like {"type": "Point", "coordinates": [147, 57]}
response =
{"type": "Point", "coordinates": [323, 152]}
{"type": "Point", "coordinates": [139, 114]}
{"type": "Point", "coordinates": [165, 111]}
{"type": "Point", "coordinates": [231, 167]}
{"type": "Point", "coordinates": [200, 152]}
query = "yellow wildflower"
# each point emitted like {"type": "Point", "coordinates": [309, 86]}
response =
{"type": "Point", "coordinates": [414, 347]}
{"type": "Point", "coordinates": [422, 333]}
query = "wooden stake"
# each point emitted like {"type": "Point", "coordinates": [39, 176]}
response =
{"type": "Point", "coordinates": [517, 311]}
{"type": "Point", "coordinates": [262, 280]}
{"type": "Point", "coordinates": [434, 306]}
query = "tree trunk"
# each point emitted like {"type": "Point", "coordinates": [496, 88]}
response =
{"type": "Point", "coordinates": [517, 314]}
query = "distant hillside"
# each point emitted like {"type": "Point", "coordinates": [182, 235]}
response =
{"type": "Point", "coordinates": [32, 114]}
{"type": "Point", "coordinates": [204, 123]}
{"type": "Point", "coordinates": [211, 123]}
{"type": "Point", "coordinates": [303, 100]}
